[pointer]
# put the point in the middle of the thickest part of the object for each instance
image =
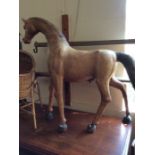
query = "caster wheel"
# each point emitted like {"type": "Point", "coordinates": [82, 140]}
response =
{"type": "Point", "coordinates": [62, 128]}
{"type": "Point", "coordinates": [91, 128]}
{"type": "Point", "coordinates": [127, 119]}
{"type": "Point", "coordinates": [49, 116]}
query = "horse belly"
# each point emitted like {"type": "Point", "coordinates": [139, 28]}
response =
{"type": "Point", "coordinates": [78, 79]}
{"type": "Point", "coordinates": [78, 73]}
{"type": "Point", "coordinates": [79, 66]}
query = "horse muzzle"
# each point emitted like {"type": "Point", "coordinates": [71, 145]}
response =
{"type": "Point", "coordinates": [26, 41]}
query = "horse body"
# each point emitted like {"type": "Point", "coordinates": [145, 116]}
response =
{"type": "Point", "coordinates": [66, 63]}
{"type": "Point", "coordinates": [84, 65]}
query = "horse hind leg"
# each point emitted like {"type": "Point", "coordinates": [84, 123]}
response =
{"type": "Point", "coordinates": [105, 99]}
{"type": "Point", "coordinates": [119, 85]}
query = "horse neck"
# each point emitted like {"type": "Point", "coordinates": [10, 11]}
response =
{"type": "Point", "coordinates": [55, 39]}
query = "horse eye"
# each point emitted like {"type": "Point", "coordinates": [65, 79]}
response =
{"type": "Point", "coordinates": [24, 27]}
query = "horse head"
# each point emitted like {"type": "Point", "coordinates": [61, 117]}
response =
{"type": "Point", "coordinates": [30, 31]}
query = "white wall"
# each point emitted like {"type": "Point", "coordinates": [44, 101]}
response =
{"type": "Point", "coordinates": [96, 20]}
{"type": "Point", "coordinates": [88, 19]}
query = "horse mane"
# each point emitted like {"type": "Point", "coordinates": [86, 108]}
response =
{"type": "Point", "coordinates": [44, 21]}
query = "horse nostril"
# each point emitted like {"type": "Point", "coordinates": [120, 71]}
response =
{"type": "Point", "coordinates": [26, 41]}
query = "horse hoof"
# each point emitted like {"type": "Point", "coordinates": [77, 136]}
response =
{"type": "Point", "coordinates": [91, 128]}
{"type": "Point", "coordinates": [62, 128]}
{"type": "Point", "coordinates": [50, 116]}
{"type": "Point", "coordinates": [127, 119]}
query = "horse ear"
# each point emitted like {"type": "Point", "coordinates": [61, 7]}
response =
{"type": "Point", "coordinates": [24, 20]}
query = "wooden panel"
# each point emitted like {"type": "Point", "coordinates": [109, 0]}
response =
{"type": "Point", "coordinates": [65, 26]}
{"type": "Point", "coordinates": [67, 87]}
{"type": "Point", "coordinates": [103, 42]}
{"type": "Point", "coordinates": [110, 138]}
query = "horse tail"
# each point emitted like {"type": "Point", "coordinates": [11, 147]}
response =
{"type": "Point", "coordinates": [129, 64]}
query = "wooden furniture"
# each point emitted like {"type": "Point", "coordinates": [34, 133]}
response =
{"type": "Point", "coordinates": [111, 138]}
{"type": "Point", "coordinates": [28, 84]}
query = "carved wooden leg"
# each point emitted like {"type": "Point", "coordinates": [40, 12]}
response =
{"type": "Point", "coordinates": [58, 85]}
{"type": "Point", "coordinates": [51, 102]}
{"type": "Point", "coordinates": [119, 85]}
{"type": "Point", "coordinates": [105, 99]}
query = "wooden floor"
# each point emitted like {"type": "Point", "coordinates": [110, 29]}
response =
{"type": "Point", "coordinates": [110, 138]}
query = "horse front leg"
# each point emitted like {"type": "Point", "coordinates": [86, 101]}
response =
{"type": "Point", "coordinates": [51, 102]}
{"type": "Point", "coordinates": [58, 85]}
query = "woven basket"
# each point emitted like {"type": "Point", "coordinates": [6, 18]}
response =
{"type": "Point", "coordinates": [26, 74]}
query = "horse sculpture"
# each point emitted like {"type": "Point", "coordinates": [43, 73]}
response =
{"type": "Point", "coordinates": [69, 64]}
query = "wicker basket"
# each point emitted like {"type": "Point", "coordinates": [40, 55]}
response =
{"type": "Point", "coordinates": [26, 74]}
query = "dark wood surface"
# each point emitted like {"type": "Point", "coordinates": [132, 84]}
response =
{"type": "Point", "coordinates": [65, 25]}
{"type": "Point", "coordinates": [67, 87]}
{"type": "Point", "coordinates": [110, 138]}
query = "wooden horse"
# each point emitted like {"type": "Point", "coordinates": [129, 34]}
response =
{"type": "Point", "coordinates": [69, 64]}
